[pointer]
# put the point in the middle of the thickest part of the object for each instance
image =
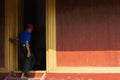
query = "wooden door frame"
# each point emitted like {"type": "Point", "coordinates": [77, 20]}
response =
{"type": "Point", "coordinates": [11, 23]}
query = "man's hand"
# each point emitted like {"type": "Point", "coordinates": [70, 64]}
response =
{"type": "Point", "coordinates": [13, 40]}
{"type": "Point", "coordinates": [28, 54]}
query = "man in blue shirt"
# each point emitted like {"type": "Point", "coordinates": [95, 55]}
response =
{"type": "Point", "coordinates": [24, 38]}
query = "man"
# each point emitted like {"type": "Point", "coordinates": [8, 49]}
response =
{"type": "Point", "coordinates": [25, 50]}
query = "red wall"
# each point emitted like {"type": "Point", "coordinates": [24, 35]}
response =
{"type": "Point", "coordinates": [2, 33]}
{"type": "Point", "coordinates": [88, 33]}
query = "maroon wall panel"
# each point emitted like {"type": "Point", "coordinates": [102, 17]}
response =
{"type": "Point", "coordinates": [86, 29]}
{"type": "Point", "coordinates": [2, 29]}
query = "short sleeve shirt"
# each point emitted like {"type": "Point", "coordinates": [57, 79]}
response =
{"type": "Point", "coordinates": [23, 37]}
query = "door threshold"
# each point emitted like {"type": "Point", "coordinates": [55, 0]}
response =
{"type": "Point", "coordinates": [39, 71]}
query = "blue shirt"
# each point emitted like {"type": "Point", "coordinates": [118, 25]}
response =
{"type": "Point", "coordinates": [23, 37]}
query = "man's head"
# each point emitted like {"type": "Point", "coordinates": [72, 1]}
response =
{"type": "Point", "coordinates": [30, 27]}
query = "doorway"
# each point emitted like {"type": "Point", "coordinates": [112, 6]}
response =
{"type": "Point", "coordinates": [34, 13]}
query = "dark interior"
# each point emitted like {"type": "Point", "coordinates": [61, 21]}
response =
{"type": "Point", "coordinates": [34, 12]}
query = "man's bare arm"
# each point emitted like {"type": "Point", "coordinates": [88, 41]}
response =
{"type": "Point", "coordinates": [28, 49]}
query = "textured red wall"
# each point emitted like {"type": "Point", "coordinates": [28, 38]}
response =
{"type": "Point", "coordinates": [2, 33]}
{"type": "Point", "coordinates": [88, 33]}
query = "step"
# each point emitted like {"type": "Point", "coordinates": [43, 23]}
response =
{"type": "Point", "coordinates": [16, 78]}
{"type": "Point", "coordinates": [12, 78]}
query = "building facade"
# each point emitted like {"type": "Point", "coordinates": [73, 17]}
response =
{"type": "Point", "coordinates": [82, 39]}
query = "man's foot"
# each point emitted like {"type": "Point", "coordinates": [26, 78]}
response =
{"type": "Point", "coordinates": [23, 75]}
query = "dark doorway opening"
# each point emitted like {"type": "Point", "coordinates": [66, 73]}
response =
{"type": "Point", "coordinates": [34, 12]}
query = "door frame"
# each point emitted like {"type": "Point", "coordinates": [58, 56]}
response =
{"type": "Point", "coordinates": [11, 21]}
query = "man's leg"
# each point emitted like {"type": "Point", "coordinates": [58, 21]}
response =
{"type": "Point", "coordinates": [23, 75]}
{"type": "Point", "coordinates": [26, 67]}
{"type": "Point", "coordinates": [27, 64]}
{"type": "Point", "coordinates": [22, 56]}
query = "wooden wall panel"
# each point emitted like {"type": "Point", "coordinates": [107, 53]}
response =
{"type": "Point", "coordinates": [88, 33]}
{"type": "Point", "coordinates": [2, 21]}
